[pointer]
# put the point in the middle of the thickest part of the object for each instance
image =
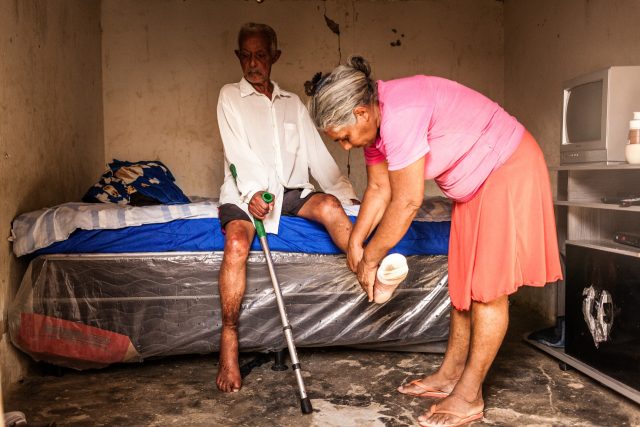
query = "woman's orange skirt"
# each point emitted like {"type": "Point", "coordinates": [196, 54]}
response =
{"type": "Point", "coordinates": [505, 237]}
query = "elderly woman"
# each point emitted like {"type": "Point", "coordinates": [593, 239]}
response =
{"type": "Point", "coordinates": [503, 232]}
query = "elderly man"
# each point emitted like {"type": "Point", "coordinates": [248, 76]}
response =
{"type": "Point", "coordinates": [268, 135]}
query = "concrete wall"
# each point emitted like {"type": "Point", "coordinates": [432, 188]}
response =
{"type": "Point", "coordinates": [548, 42]}
{"type": "Point", "coordinates": [51, 135]}
{"type": "Point", "coordinates": [164, 63]}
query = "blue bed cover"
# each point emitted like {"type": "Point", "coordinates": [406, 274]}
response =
{"type": "Point", "coordinates": [205, 234]}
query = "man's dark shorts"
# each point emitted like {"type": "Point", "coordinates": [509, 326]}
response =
{"type": "Point", "coordinates": [291, 205]}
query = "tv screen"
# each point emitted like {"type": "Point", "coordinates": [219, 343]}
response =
{"type": "Point", "coordinates": [584, 112]}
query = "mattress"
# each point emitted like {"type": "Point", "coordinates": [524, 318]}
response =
{"type": "Point", "coordinates": [108, 284]}
{"type": "Point", "coordinates": [108, 228]}
{"type": "Point", "coordinates": [88, 311]}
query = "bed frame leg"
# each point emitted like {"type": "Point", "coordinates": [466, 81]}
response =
{"type": "Point", "coordinates": [48, 370]}
{"type": "Point", "coordinates": [279, 358]}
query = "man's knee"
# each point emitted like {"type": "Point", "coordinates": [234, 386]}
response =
{"type": "Point", "coordinates": [236, 247]}
{"type": "Point", "coordinates": [328, 206]}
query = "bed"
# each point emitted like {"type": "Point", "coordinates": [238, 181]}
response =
{"type": "Point", "coordinates": [108, 284]}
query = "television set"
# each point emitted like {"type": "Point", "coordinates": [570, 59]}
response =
{"type": "Point", "coordinates": [595, 115]}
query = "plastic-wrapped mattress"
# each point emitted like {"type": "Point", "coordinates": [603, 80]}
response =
{"type": "Point", "coordinates": [91, 310]}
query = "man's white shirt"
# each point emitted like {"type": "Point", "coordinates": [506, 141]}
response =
{"type": "Point", "coordinates": [273, 145]}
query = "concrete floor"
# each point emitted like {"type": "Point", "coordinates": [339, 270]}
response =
{"type": "Point", "coordinates": [348, 388]}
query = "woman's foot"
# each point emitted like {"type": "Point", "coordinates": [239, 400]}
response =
{"type": "Point", "coordinates": [435, 386]}
{"type": "Point", "coordinates": [229, 379]}
{"type": "Point", "coordinates": [453, 411]}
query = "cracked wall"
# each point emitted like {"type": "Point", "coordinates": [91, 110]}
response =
{"type": "Point", "coordinates": [164, 64]}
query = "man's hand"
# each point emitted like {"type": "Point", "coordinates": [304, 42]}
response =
{"type": "Point", "coordinates": [258, 208]}
{"type": "Point", "coordinates": [367, 277]}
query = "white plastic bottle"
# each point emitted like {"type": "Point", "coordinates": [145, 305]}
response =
{"type": "Point", "coordinates": [392, 271]}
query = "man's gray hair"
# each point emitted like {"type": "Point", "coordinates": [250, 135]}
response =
{"type": "Point", "coordinates": [335, 96]}
{"type": "Point", "coordinates": [251, 28]}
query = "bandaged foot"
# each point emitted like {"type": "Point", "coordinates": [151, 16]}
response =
{"type": "Point", "coordinates": [392, 271]}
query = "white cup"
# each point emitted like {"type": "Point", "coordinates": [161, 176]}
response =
{"type": "Point", "coordinates": [632, 154]}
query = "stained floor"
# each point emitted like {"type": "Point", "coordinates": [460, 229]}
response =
{"type": "Point", "coordinates": [348, 388]}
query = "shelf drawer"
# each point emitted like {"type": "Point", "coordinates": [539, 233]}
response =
{"type": "Point", "coordinates": [602, 309]}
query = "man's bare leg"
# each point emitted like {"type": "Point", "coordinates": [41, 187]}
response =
{"type": "Point", "coordinates": [327, 210]}
{"type": "Point", "coordinates": [489, 323]}
{"type": "Point", "coordinates": [232, 283]}
{"type": "Point", "coordinates": [449, 372]}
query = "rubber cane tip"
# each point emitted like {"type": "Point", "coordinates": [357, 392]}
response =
{"type": "Point", "coordinates": [279, 367]}
{"type": "Point", "coordinates": [305, 405]}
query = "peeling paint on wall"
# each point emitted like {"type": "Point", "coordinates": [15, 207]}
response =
{"type": "Point", "coordinates": [333, 25]}
{"type": "Point", "coordinates": [335, 29]}
{"type": "Point", "coordinates": [397, 41]}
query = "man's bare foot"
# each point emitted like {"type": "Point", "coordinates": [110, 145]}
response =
{"type": "Point", "coordinates": [453, 411]}
{"type": "Point", "coordinates": [229, 379]}
{"type": "Point", "coordinates": [435, 386]}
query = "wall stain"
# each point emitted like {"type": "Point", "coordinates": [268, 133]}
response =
{"type": "Point", "coordinates": [397, 41]}
{"type": "Point", "coordinates": [41, 20]}
{"type": "Point", "coordinates": [146, 41]}
{"type": "Point", "coordinates": [333, 25]}
{"type": "Point", "coordinates": [335, 29]}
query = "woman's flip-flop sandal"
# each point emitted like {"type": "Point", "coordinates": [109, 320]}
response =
{"type": "Point", "coordinates": [426, 391]}
{"type": "Point", "coordinates": [462, 419]}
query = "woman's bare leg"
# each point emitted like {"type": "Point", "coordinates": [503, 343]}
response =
{"type": "Point", "coordinates": [448, 374]}
{"type": "Point", "coordinates": [489, 323]}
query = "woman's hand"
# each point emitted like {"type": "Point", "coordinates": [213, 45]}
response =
{"type": "Point", "coordinates": [367, 277]}
{"type": "Point", "coordinates": [258, 207]}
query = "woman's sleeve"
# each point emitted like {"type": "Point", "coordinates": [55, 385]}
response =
{"type": "Point", "coordinates": [373, 156]}
{"type": "Point", "coordinates": [405, 136]}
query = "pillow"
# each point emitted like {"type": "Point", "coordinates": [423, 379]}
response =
{"type": "Point", "coordinates": [136, 183]}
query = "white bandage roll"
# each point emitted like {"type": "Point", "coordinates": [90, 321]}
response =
{"type": "Point", "coordinates": [392, 271]}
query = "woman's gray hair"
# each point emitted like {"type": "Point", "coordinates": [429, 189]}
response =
{"type": "Point", "coordinates": [251, 28]}
{"type": "Point", "coordinates": [336, 95]}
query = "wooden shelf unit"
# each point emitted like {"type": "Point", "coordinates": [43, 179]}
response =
{"type": "Point", "coordinates": [581, 215]}
{"type": "Point", "coordinates": [584, 220]}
